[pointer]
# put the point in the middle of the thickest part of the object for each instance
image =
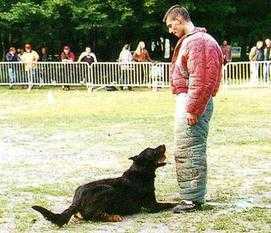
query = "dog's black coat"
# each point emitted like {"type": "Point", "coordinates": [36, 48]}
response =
{"type": "Point", "coordinates": [122, 196]}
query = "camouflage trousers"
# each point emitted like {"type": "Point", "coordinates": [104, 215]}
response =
{"type": "Point", "coordinates": [190, 151]}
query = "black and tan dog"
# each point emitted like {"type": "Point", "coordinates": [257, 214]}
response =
{"type": "Point", "coordinates": [110, 199]}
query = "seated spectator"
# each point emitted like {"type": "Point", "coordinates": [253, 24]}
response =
{"type": "Point", "coordinates": [11, 56]}
{"type": "Point", "coordinates": [87, 56]}
{"type": "Point", "coordinates": [67, 55]}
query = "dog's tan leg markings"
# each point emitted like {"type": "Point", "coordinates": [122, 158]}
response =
{"type": "Point", "coordinates": [110, 217]}
{"type": "Point", "coordinates": [78, 216]}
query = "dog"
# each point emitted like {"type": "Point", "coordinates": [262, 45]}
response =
{"type": "Point", "coordinates": [109, 200]}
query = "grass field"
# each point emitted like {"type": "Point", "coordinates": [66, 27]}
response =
{"type": "Point", "coordinates": [52, 141]}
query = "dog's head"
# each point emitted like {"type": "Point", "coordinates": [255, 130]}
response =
{"type": "Point", "coordinates": [152, 158]}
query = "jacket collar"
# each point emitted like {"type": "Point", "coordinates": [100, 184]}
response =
{"type": "Point", "coordinates": [180, 41]}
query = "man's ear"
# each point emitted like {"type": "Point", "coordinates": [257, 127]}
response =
{"type": "Point", "coordinates": [134, 158]}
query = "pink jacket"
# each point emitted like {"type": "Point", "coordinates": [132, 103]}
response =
{"type": "Point", "coordinates": [196, 69]}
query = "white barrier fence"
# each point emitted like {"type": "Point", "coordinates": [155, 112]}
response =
{"type": "Point", "coordinates": [247, 74]}
{"type": "Point", "coordinates": [100, 74]}
{"type": "Point", "coordinates": [129, 74]}
{"type": "Point", "coordinates": [43, 73]}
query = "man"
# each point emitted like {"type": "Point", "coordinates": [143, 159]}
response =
{"type": "Point", "coordinates": [226, 51]}
{"type": "Point", "coordinates": [30, 59]}
{"type": "Point", "coordinates": [87, 56]}
{"type": "Point", "coordinates": [256, 54]}
{"type": "Point", "coordinates": [11, 56]}
{"type": "Point", "coordinates": [195, 78]}
{"type": "Point", "coordinates": [67, 56]}
{"type": "Point", "coordinates": [267, 58]}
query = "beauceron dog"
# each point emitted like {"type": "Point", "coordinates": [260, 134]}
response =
{"type": "Point", "coordinates": [110, 199]}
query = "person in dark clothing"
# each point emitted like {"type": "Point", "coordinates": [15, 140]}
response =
{"type": "Point", "coordinates": [44, 69]}
{"type": "Point", "coordinates": [67, 56]}
{"type": "Point", "coordinates": [267, 58]}
{"type": "Point", "coordinates": [45, 57]}
{"type": "Point", "coordinates": [256, 54]}
{"type": "Point", "coordinates": [11, 56]}
{"type": "Point", "coordinates": [87, 56]}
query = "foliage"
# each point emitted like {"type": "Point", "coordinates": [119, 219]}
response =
{"type": "Point", "coordinates": [107, 25]}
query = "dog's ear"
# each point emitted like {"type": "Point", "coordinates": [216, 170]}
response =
{"type": "Point", "coordinates": [134, 158]}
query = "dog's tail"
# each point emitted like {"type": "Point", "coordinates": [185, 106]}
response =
{"type": "Point", "coordinates": [58, 219]}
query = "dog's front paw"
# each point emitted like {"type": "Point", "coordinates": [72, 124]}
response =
{"type": "Point", "coordinates": [115, 218]}
{"type": "Point", "coordinates": [109, 217]}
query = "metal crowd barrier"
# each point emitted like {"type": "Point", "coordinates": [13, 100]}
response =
{"type": "Point", "coordinates": [43, 73]}
{"type": "Point", "coordinates": [101, 74]}
{"type": "Point", "coordinates": [129, 74]}
{"type": "Point", "coordinates": [76, 73]}
{"type": "Point", "coordinates": [247, 74]}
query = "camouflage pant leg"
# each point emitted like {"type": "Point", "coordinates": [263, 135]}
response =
{"type": "Point", "coordinates": [190, 151]}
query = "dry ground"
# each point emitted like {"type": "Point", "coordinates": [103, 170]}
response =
{"type": "Point", "coordinates": [52, 141]}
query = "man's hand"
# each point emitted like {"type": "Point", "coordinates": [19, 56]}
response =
{"type": "Point", "coordinates": [191, 118]}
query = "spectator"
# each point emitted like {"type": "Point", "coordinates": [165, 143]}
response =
{"type": "Point", "coordinates": [141, 54]}
{"type": "Point", "coordinates": [44, 70]}
{"type": "Point", "coordinates": [256, 54]}
{"type": "Point", "coordinates": [45, 57]}
{"type": "Point", "coordinates": [267, 58]}
{"type": "Point", "coordinates": [20, 53]}
{"type": "Point", "coordinates": [11, 56]}
{"type": "Point", "coordinates": [30, 59]}
{"type": "Point", "coordinates": [67, 55]}
{"type": "Point", "coordinates": [125, 57]}
{"type": "Point", "coordinates": [87, 56]}
{"type": "Point", "coordinates": [226, 51]}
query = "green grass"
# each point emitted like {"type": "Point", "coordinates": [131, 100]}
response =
{"type": "Point", "coordinates": [52, 141]}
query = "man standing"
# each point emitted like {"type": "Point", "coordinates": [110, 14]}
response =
{"type": "Point", "coordinates": [11, 56]}
{"type": "Point", "coordinates": [267, 58]}
{"type": "Point", "coordinates": [195, 77]}
{"type": "Point", "coordinates": [256, 54]}
{"type": "Point", "coordinates": [30, 59]}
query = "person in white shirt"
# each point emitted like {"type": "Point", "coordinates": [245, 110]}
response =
{"type": "Point", "coordinates": [30, 59]}
{"type": "Point", "coordinates": [87, 56]}
{"type": "Point", "coordinates": [125, 57]}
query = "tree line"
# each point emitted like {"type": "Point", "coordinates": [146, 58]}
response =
{"type": "Point", "coordinates": [107, 25]}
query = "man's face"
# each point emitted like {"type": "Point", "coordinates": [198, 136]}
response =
{"type": "Point", "coordinates": [225, 42]}
{"type": "Point", "coordinates": [175, 26]}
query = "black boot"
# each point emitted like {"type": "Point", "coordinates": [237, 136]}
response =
{"type": "Point", "coordinates": [186, 206]}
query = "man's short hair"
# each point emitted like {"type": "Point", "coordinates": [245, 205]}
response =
{"type": "Point", "coordinates": [175, 11]}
